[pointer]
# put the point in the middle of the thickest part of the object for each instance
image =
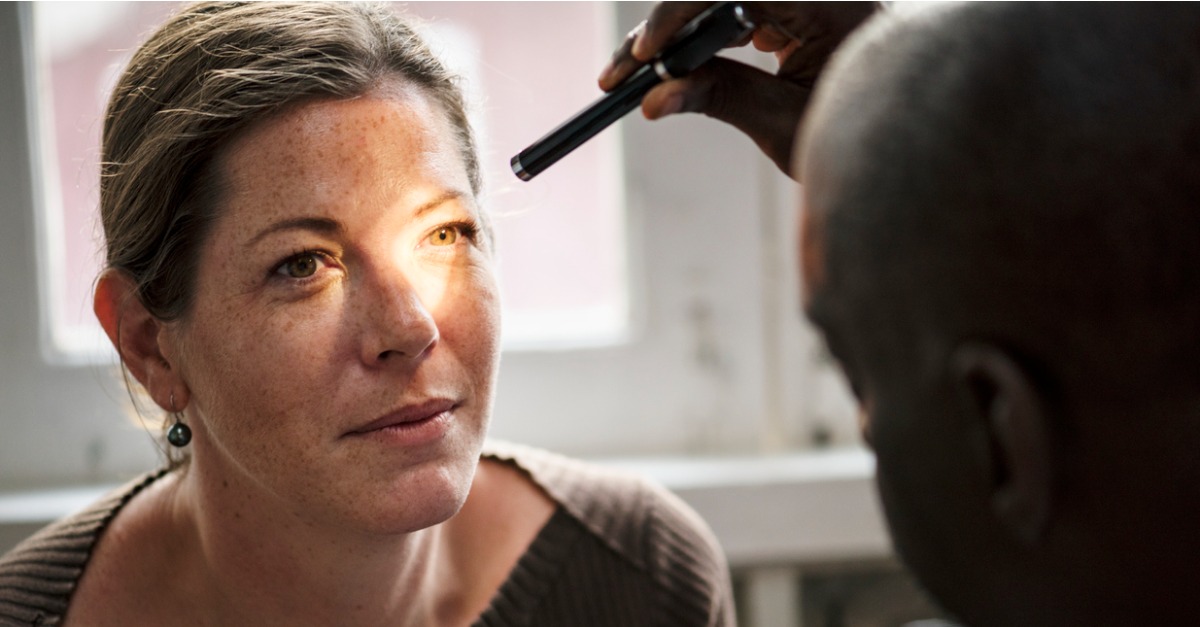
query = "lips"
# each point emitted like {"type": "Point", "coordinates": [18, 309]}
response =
{"type": "Point", "coordinates": [408, 415]}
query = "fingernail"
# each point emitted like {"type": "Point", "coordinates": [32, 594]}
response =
{"type": "Point", "coordinates": [638, 50]}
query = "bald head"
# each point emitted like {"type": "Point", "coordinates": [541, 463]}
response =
{"type": "Point", "coordinates": [1002, 246]}
{"type": "Point", "coordinates": [1023, 172]}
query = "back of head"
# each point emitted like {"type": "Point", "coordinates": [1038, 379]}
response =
{"type": "Point", "coordinates": [1040, 166]}
{"type": "Point", "coordinates": [1028, 175]}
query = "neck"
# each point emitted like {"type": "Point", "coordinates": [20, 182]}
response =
{"type": "Point", "coordinates": [257, 561]}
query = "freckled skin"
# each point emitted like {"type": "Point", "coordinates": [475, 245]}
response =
{"type": "Point", "coordinates": [280, 369]}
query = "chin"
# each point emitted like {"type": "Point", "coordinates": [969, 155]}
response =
{"type": "Point", "coordinates": [426, 496]}
{"type": "Point", "coordinates": [941, 565]}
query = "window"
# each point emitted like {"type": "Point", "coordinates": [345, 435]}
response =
{"type": "Point", "coordinates": [685, 338]}
{"type": "Point", "coordinates": [83, 47]}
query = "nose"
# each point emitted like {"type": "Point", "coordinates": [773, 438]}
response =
{"type": "Point", "coordinates": [397, 325]}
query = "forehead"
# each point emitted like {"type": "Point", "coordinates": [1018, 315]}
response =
{"type": "Point", "coordinates": [838, 284]}
{"type": "Point", "coordinates": [841, 213]}
{"type": "Point", "coordinates": [394, 136]}
{"type": "Point", "coordinates": [821, 179]}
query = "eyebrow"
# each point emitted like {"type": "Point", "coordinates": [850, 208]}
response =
{"type": "Point", "coordinates": [325, 226]}
{"type": "Point", "coordinates": [442, 198]}
{"type": "Point", "coordinates": [329, 226]}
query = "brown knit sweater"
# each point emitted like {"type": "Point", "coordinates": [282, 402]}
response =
{"type": "Point", "coordinates": [618, 551]}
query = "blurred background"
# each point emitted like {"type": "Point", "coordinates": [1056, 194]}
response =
{"type": "Point", "coordinates": [652, 316]}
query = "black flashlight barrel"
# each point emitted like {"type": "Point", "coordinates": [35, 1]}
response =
{"type": "Point", "coordinates": [719, 26]}
{"type": "Point", "coordinates": [571, 134]}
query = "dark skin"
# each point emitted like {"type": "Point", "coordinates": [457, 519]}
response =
{"type": "Point", "coordinates": [766, 107]}
{"type": "Point", "coordinates": [960, 430]}
{"type": "Point", "coordinates": [1017, 497]}
{"type": "Point", "coordinates": [1014, 322]}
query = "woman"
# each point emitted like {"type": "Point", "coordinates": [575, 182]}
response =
{"type": "Point", "coordinates": [300, 273]}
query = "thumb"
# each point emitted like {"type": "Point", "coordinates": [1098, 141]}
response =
{"type": "Point", "coordinates": [764, 107]}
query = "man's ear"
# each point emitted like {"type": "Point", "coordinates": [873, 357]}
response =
{"type": "Point", "coordinates": [1012, 412]}
{"type": "Point", "coordinates": [136, 334]}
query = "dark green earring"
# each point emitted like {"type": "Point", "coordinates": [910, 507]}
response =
{"type": "Point", "coordinates": [179, 434]}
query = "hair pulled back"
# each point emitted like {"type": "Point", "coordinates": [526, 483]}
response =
{"type": "Point", "coordinates": [211, 71]}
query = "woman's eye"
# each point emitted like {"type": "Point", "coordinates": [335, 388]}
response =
{"type": "Point", "coordinates": [448, 234]}
{"type": "Point", "coordinates": [300, 266]}
{"type": "Point", "coordinates": [444, 236]}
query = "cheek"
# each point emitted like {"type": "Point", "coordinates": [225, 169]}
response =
{"type": "Point", "coordinates": [247, 365]}
{"type": "Point", "coordinates": [929, 491]}
{"type": "Point", "coordinates": [902, 480]}
{"type": "Point", "coordinates": [469, 319]}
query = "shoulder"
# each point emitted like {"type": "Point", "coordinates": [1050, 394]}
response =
{"type": "Point", "coordinates": [640, 521]}
{"type": "Point", "coordinates": [638, 517]}
{"type": "Point", "coordinates": [39, 575]}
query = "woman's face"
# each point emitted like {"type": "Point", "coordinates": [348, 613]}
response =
{"type": "Point", "coordinates": [342, 346]}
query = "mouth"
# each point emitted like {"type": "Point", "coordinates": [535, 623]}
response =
{"type": "Point", "coordinates": [408, 417]}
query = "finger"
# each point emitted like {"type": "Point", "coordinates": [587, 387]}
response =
{"type": "Point", "coordinates": [825, 27]}
{"type": "Point", "coordinates": [764, 107]}
{"type": "Point", "coordinates": [805, 20]}
{"type": "Point", "coordinates": [769, 39]}
{"type": "Point", "coordinates": [783, 54]}
{"type": "Point", "coordinates": [782, 25]}
{"type": "Point", "coordinates": [661, 26]}
{"type": "Point", "coordinates": [622, 63]}
{"type": "Point", "coordinates": [670, 98]}
{"type": "Point", "coordinates": [814, 28]}
{"type": "Point", "coordinates": [804, 61]}
{"type": "Point", "coordinates": [647, 38]}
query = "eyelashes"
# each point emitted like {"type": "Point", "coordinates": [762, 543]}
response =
{"type": "Point", "coordinates": [305, 266]}
{"type": "Point", "coordinates": [449, 234]}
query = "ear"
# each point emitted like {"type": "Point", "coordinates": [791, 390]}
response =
{"type": "Point", "coordinates": [1012, 412]}
{"type": "Point", "coordinates": [139, 338]}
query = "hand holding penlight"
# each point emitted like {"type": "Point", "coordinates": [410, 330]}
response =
{"type": "Point", "coordinates": [722, 24]}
